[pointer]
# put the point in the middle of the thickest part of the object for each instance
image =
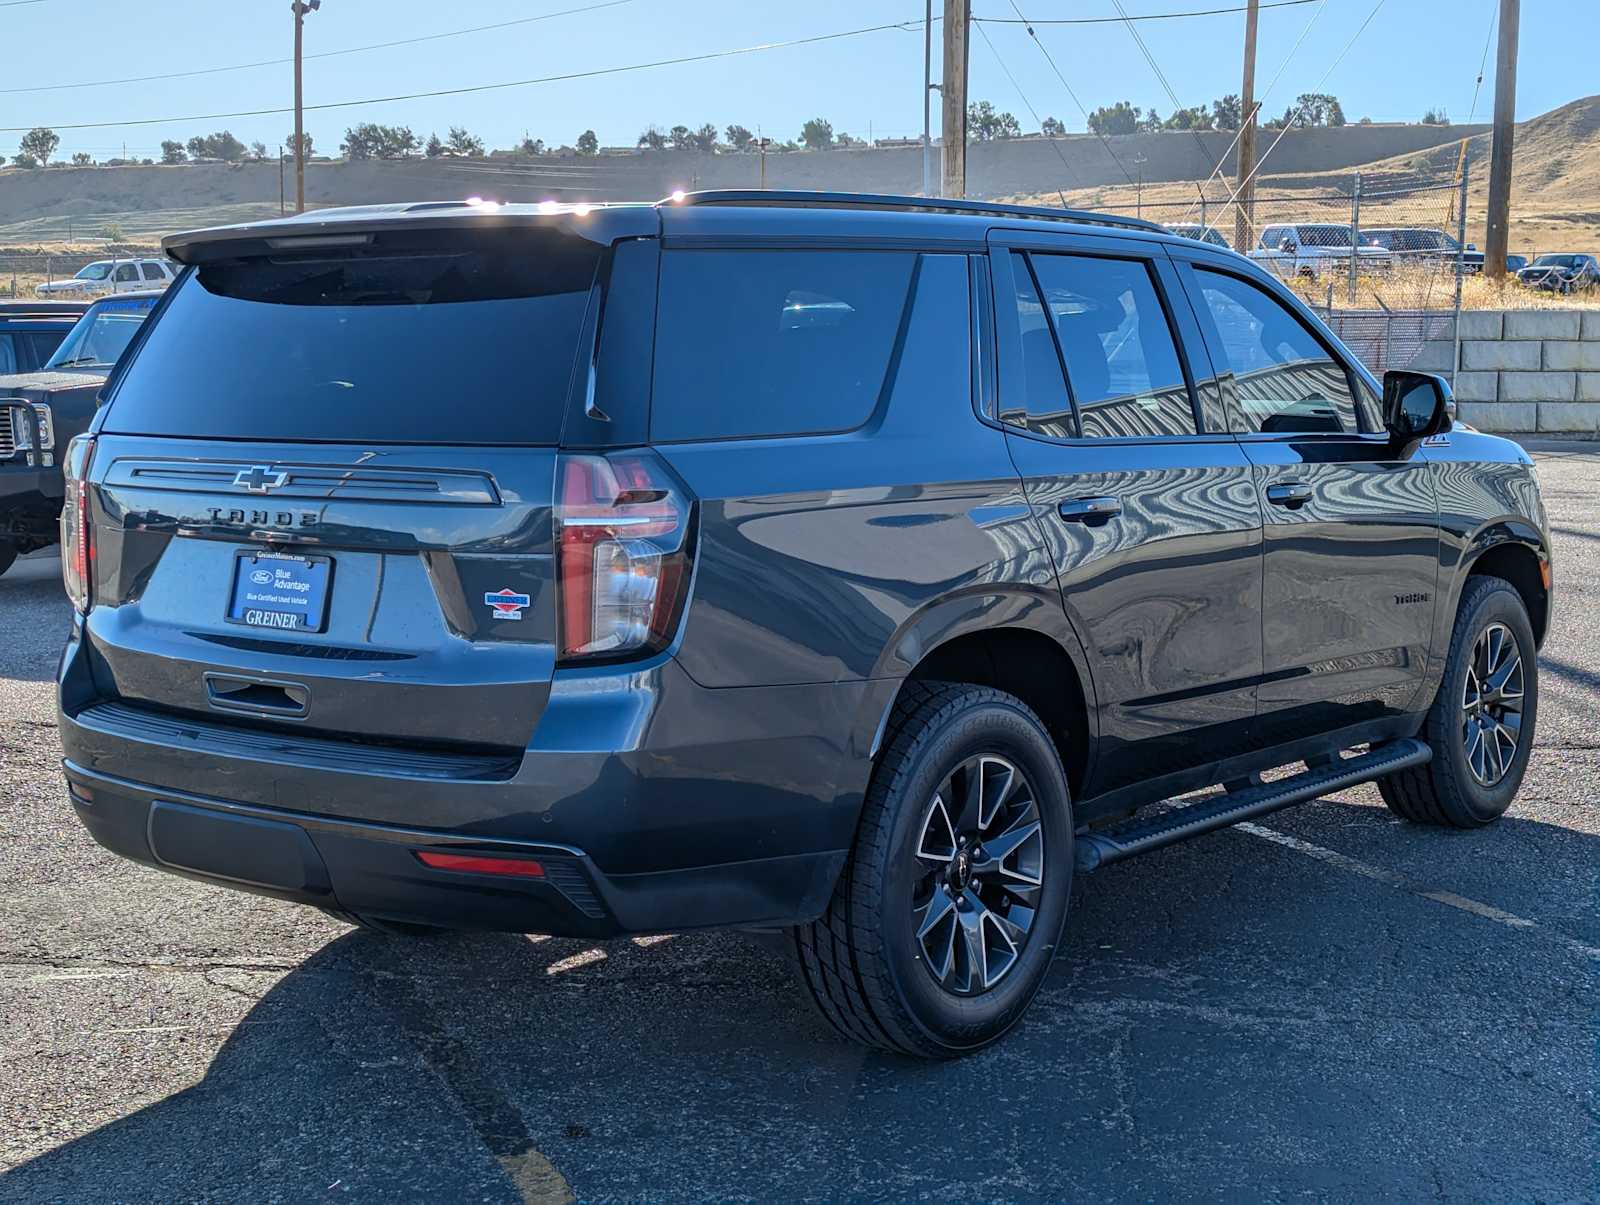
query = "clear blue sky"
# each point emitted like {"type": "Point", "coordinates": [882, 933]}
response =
{"type": "Point", "coordinates": [1415, 55]}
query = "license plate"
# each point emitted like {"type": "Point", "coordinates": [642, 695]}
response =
{"type": "Point", "coordinates": [274, 590]}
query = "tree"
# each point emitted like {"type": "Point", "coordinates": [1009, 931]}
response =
{"type": "Point", "coordinates": [258, 151]}
{"type": "Point", "coordinates": [467, 145]}
{"type": "Point", "coordinates": [289, 143]}
{"type": "Point", "coordinates": [1151, 123]}
{"type": "Point", "coordinates": [653, 139]}
{"type": "Point", "coordinates": [588, 144]}
{"type": "Point", "coordinates": [985, 124]}
{"type": "Point", "coordinates": [1228, 113]}
{"type": "Point", "coordinates": [434, 147]}
{"type": "Point", "coordinates": [221, 145]}
{"type": "Point", "coordinates": [39, 143]}
{"type": "Point", "coordinates": [848, 141]}
{"type": "Point", "coordinates": [531, 146]}
{"type": "Point", "coordinates": [739, 138]}
{"type": "Point", "coordinates": [24, 161]}
{"type": "Point", "coordinates": [1120, 118]}
{"type": "Point", "coordinates": [1197, 118]}
{"type": "Point", "coordinates": [82, 159]}
{"type": "Point", "coordinates": [172, 152]}
{"type": "Point", "coordinates": [681, 137]}
{"type": "Point", "coordinates": [817, 134]}
{"type": "Point", "coordinates": [704, 139]}
{"type": "Point", "coordinates": [1311, 109]}
{"type": "Point", "coordinates": [1052, 128]}
{"type": "Point", "coordinates": [1436, 117]}
{"type": "Point", "coordinates": [371, 141]}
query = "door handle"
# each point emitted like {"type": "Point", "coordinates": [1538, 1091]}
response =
{"type": "Point", "coordinates": [1089, 510]}
{"type": "Point", "coordinates": [1293, 494]}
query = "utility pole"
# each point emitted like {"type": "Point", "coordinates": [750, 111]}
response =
{"type": "Point", "coordinates": [301, 8]}
{"type": "Point", "coordinates": [1244, 213]}
{"type": "Point", "coordinates": [1498, 235]}
{"type": "Point", "coordinates": [927, 101]}
{"type": "Point", "coordinates": [953, 125]}
{"type": "Point", "coordinates": [282, 207]}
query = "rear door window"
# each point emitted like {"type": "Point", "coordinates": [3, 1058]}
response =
{"type": "Point", "coordinates": [472, 343]}
{"type": "Point", "coordinates": [1046, 408]}
{"type": "Point", "coordinates": [1122, 361]}
{"type": "Point", "coordinates": [154, 272]}
{"type": "Point", "coordinates": [756, 343]}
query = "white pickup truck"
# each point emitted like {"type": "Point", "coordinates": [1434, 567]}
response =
{"type": "Point", "coordinates": [112, 276]}
{"type": "Point", "coordinates": [1311, 250]}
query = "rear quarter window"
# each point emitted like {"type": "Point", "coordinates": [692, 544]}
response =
{"type": "Point", "coordinates": [756, 343]}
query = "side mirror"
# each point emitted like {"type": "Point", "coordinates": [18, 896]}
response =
{"type": "Point", "coordinates": [1416, 406]}
{"type": "Point", "coordinates": [1472, 246]}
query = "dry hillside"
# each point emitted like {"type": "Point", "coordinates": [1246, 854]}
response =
{"type": "Point", "coordinates": [1555, 196]}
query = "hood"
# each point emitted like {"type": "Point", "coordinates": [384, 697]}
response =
{"type": "Point", "coordinates": [70, 285]}
{"type": "Point", "coordinates": [38, 386]}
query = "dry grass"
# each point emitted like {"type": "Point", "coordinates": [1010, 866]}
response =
{"type": "Point", "coordinates": [1418, 288]}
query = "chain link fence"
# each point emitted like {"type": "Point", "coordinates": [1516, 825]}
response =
{"type": "Point", "coordinates": [1382, 257]}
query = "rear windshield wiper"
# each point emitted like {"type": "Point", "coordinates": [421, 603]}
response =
{"type": "Point", "coordinates": [78, 360]}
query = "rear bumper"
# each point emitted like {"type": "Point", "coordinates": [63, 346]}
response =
{"type": "Point", "coordinates": [670, 805]}
{"type": "Point", "coordinates": [374, 869]}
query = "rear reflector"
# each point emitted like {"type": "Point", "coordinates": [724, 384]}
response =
{"type": "Point", "coordinates": [479, 864]}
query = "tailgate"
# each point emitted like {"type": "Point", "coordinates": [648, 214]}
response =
{"type": "Point", "coordinates": [436, 617]}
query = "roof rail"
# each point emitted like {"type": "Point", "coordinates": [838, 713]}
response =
{"type": "Point", "coordinates": [860, 200]}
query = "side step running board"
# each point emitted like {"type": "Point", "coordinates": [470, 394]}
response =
{"type": "Point", "coordinates": [1216, 811]}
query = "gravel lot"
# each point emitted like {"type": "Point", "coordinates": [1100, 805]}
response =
{"type": "Point", "coordinates": [1328, 1004]}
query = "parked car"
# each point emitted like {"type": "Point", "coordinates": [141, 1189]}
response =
{"type": "Point", "coordinates": [30, 331]}
{"type": "Point", "coordinates": [43, 405]}
{"type": "Point", "coordinates": [1515, 263]}
{"type": "Point", "coordinates": [112, 276]}
{"type": "Point", "coordinates": [409, 583]}
{"type": "Point", "coordinates": [1309, 250]}
{"type": "Point", "coordinates": [1425, 245]}
{"type": "Point", "coordinates": [1204, 234]}
{"type": "Point", "coordinates": [1561, 273]}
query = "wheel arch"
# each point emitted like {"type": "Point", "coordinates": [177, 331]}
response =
{"type": "Point", "coordinates": [1017, 641]}
{"type": "Point", "coordinates": [1516, 552]}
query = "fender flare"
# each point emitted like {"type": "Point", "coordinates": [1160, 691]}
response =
{"type": "Point", "coordinates": [980, 608]}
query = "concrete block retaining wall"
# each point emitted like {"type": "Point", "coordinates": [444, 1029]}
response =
{"type": "Point", "coordinates": [1524, 370]}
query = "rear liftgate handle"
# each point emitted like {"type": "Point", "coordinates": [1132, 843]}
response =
{"type": "Point", "coordinates": [1093, 511]}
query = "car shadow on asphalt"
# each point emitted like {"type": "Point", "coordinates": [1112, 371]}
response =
{"type": "Point", "coordinates": [1228, 1012]}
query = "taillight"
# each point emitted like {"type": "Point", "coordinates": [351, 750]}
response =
{"type": "Point", "coordinates": [77, 532]}
{"type": "Point", "coordinates": [624, 539]}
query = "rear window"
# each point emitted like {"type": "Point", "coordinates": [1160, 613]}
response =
{"type": "Point", "coordinates": [452, 345]}
{"type": "Point", "coordinates": [760, 343]}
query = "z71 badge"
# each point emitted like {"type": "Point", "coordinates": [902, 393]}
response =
{"type": "Point", "coordinates": [506, 603]}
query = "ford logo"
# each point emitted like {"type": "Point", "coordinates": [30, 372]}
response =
{"type": "Point", "coordinates": [261, 577]}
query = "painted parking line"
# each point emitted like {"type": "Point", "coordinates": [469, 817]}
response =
{"type": "Point", "coordinates": [1448, 898]}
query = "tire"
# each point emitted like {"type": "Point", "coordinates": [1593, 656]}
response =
{"type": "Point", "coordinates": [8, 555]}
{"type": "Point", "coordinates": [1471, 782]}
{"type": "Point", "coordinates": [863, 963]}
{"type": "Point", "coordinates": [374, 924]}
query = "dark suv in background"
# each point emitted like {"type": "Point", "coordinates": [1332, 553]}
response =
{"type": "Point", "coordinates": [858, 567]}
{"type": "Point", "coordinates": [47, 399]}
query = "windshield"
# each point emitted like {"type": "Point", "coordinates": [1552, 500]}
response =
{"type": "Point", "coordinates": [94, 272]}
{"type": "Point", "coordinates": [469, 342]}
{"type": "Point", "coordinates": [100, 336]}
{"type": "Point", "coordinates": [1556, 261]}
{"type": "Point", "coordinates": [1325, 236]}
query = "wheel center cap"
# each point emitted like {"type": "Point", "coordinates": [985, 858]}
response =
{"type": "Point", "coordinates": [961, 870]}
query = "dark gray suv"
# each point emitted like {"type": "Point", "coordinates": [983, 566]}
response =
{"type": "Point", "coordinates": [851, 567]}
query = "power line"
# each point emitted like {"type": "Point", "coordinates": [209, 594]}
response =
{"type": "Point", "coordinates": [325, 54]}
{"type": "Point", "coordinates": [471, 88]}
{"type": "Point", "coordinates": [1029, 104]}
{"type": "Point", "coordinates": [1161, 75]}
{"type": "Point", "coordinates": [1047, 58]}
{"type": "Point", "coordinates": [1199, 12]}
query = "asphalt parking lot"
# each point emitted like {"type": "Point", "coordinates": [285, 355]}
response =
{"type": "Point", "coordinates": [1329, 1004]}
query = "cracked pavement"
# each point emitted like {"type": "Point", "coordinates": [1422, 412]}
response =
{"type": "Point", "coordinates": [1239, 1017]}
